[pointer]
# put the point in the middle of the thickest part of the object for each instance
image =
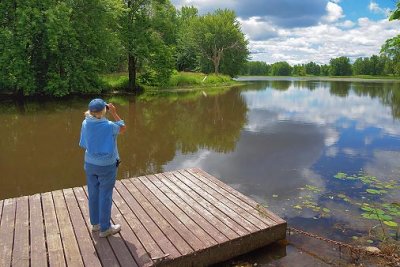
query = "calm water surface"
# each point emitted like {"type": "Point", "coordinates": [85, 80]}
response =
{"type": "Point", "coordinates": [279, 142]}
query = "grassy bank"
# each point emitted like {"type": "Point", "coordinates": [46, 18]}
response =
{"type": "Point", "coordinates": [178, 81]}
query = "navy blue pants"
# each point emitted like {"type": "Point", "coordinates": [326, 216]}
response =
{"type": "Point", "coordinates": [100, 181]}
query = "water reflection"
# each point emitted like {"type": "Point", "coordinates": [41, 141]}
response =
{"type": "Point", "coordinates": [39, 139]}
{"type": "Point", "coordinates": [296, 137]}
{"type": "Point", "coordinates": [267, 140]}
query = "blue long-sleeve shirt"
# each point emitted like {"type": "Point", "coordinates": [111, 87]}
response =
{"type": "Point", "coordinates": [99, 139]}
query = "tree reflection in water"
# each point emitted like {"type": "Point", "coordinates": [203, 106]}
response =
{"type": "Point", "coordinates": [39, 139]}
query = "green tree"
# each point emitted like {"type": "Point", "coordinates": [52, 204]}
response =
{"type": "Point", "coordinates": [325, 70]}
{"type": "Point", "coordinates": [158, 65]}
{"type": "Point", "coordinates": [219, 40]}
{"type": "Point", "coordinates": [299, 70]}
{"type": "Point", "coordinates": [396, 13]}
{"type": "Point", "coordinates": [362, 66]}
{"type": "Point", "coordinates": [187, 58]}
{"type": "Point", "coordinates": [134, 34]}
{"type": "Point", "coordinates": [391, 50]}
{"type": "Point", "coordinates": [55, 47]}
{"type": "Point", "coordinates": [340, 66]}
{"type": "Point", "coordinates": [281, 68]}
{"type": "Point", "coordinates": [148, 34]}
{"type": "Point", "coordinates": [255, 68]}
{"type": "Point", "coordinates": [312, 68]}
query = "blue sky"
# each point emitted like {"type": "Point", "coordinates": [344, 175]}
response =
{"type": "Point", "coordinates": [300, 31]}
{"type": "Point", "coordinates": [354, 9]}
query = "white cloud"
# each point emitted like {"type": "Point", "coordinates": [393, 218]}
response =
{"type": "Point", "coordinates": [276, 33]}
{"type": "Point", "coordinates": [256, 29]}
{"type": "Point", "coordinates": [334, 12]}
{"type": "Point", "coordinates": [332, 136]}
{"type": "Point", "coordinates": [324, 41]}
{"type": "Point", "coordinates": [332, 152]}
{"type": "Point", "coordinates": [306, 106]}
{"type": "Point", "coordinates": [346, 24]}
{"type": "Point", "coordinates": [374, 7]}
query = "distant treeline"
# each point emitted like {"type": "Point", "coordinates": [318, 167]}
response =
{"type": "Point", "coordinates": [381, 65]}
{"type": "Point", "coordinates": [62, 47]}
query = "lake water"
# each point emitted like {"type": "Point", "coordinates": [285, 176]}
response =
{"type": "Point", "coordinates": [280, 142]}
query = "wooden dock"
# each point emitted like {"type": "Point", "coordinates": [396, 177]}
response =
{"type": "Point", "coordinates": [180, 218]}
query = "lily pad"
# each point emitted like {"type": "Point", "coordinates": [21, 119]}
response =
{"type": "Point", "coordinates": [390, 223]}
{"type": "Point", "coordinates": [340, 175]}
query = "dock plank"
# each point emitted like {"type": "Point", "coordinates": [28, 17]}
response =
{"type": "Point", "coordinates": [228, 221]}
{"type": "Point", "coordinates": [188, 216]}
{"type": "Point", "coordinates": [168, 230]}
{"type": "Point", "coordinates": [87, 249]}
{"type": "Point", "coordinates": [224, 197]}
{"type": "Point", "coordinates": [239, 195]}
{"type": "Point", "coordinates": [129, 224]}
{"type": "Point", "coordinates": [224, 190]}
{"type": "Point", "coordinates": [176, 219]}
{"type": "Point", "coordinates": [103, 247]}
{"type": "Point", "coordinates": [222, 231]}
{"type": "Point", "coordinates": [71, 250]}
{"type": "Point", "coordinates": [217, 204]}
{"type": "Point", "coordinates": [21, 237]}
{"type": "Point", "coordinates": [7, 231]}
{"type": "Point", "coordinates": [121, 252]}
{"type": "Point", "coordinates": [189, 230]}
{"type": "Point", "coordinates": [151, 227]}
{"type": "Point", "coordinates": [38, 250]}
{"type": "Point", "coordinates": [53, 237]}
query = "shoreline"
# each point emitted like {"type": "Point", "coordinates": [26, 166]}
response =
{"type": "Point", "coordinates": [145, 91]}
{"type": "Point", "coordinates": [315, 78]}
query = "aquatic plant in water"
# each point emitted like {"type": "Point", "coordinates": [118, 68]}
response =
{"type": "Point", "coordinates": [368, 198]}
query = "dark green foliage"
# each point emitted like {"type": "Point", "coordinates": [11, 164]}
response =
{"type": "Point", "coordinates": [396, 13]}
{"type": "Point", "coordinates": [312, 68]}
{"type": "Point", "coordinates": [220, 42]}
{"type": "Point", "coordinates": [281, 68]}
{"type": "Point", "coordinates": [55, 48]}
{"type": "Point", "coordinates": [187, 57]}
{"type": "Point", "coordinates": [255, 68]}
{"type": "Point", "coordinates": [157, 58]}
{"type": "Point", "coordinates": [391, 51]}
{"type": "Point", "coordinates": [61, 47]}
{"type": "Point", "coordinates": [340, 66]}
{"type": "Point", "coordinates": [369, 66]}
{"type": "Point", "coordinates": [325, 70]}
{"type": "Point", "coordinates": [299, 70]}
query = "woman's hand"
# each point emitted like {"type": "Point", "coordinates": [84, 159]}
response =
{"type": "Point", "coordinates": [113, 111]}
{"type": "Point", "coordinates": [112, 108]}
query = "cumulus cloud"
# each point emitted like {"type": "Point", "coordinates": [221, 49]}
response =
{"type": "Point", "coordinates": [306, 106]}
{"type": "Point", "coordinates": [303, 31]}
{"type": "Point", "coordinates": [374, 7]}
{"type": "Point", "coordinates": [324, 41]}
{"type": "Point", "coordinates": [282, 13]}
{"type": "Point", "coordinates": [334, 12]}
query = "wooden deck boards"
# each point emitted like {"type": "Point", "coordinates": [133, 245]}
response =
{"type": "Point", "coordinates": [181, 218]}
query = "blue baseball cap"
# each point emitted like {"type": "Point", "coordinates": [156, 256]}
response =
{"type": "Point", "coordinates": [97, 105]}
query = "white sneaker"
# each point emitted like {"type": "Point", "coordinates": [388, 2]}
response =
{"type": "Point", "coordinates": [96, 228]}
{"type": "Point", "coordinates": [111, 231]}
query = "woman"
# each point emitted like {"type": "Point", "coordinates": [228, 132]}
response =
{"type": "Point", "coordinates": [99, 139]}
